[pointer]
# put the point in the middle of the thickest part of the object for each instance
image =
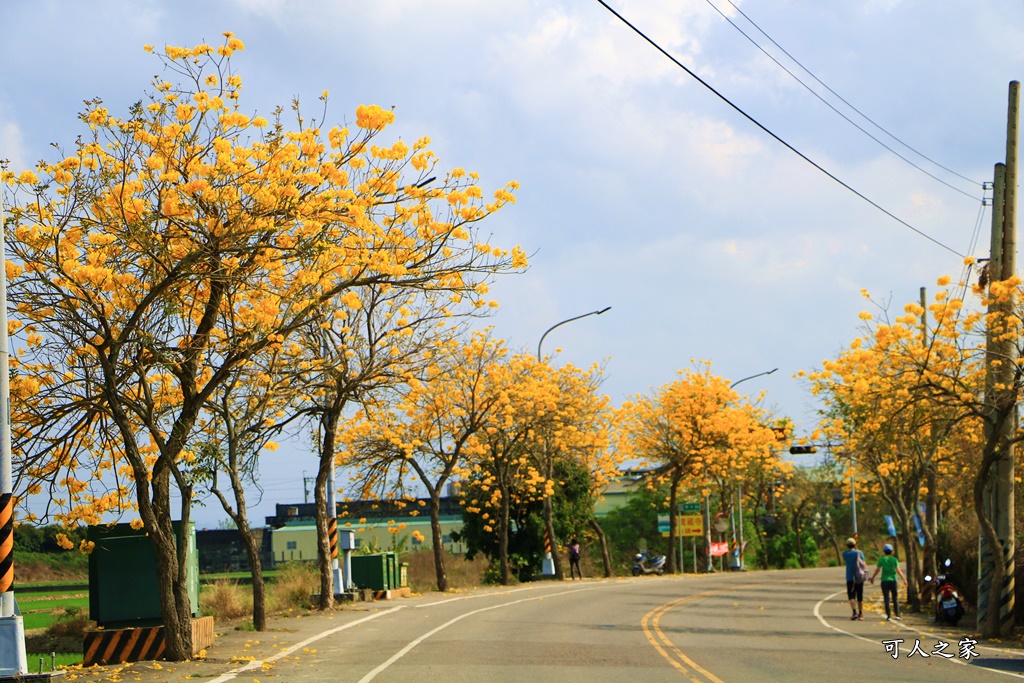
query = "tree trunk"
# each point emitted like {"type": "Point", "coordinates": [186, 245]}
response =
{"type": "Point", "coordinates": [672, 530]}
{"type": "Point", "coordinates": [931, 520]}
{"type": "Point", "coordinates": [240, 517]}
{"type": "Point", "coordinates": [761, 543]}
{"type": "Point", "coordinates": [606, 558]}
{"type": "Point", "coordinates": [259, 597]}
{"type": "Point", "coordinates": [329, 425]}
{"type": "Point", "coordinates": [323, 543]}
{"type": "Point", "coordinates": [154, 499]}
{"type": "Point", "coordinates": [797, 526]}
{"type": "Point", "coordinates": [175, 605]}
{"type": "Point", "coordinates": [991, 627]}
{"type": "Point", "coordinates": [834, 540]}
{"type": "Point", "coordinates": [437, 539]}
{"type": "Point", "coordinates": [914, 586]}
{"type": "Point", "coordinates": [549, 530]}
{"type": "Point", "coordinates": [503, 525]}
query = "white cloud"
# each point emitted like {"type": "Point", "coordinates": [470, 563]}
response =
{"type": "Point", "coordinates": [11, 144]}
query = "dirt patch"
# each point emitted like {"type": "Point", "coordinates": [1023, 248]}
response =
{"type": "Point", "coordinates": [34, 572]}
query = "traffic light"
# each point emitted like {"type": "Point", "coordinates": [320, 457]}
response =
{"type": "Point", "coordinates": [803, 450]}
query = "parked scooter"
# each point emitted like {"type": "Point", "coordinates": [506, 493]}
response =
{"type": "Point", "coordinates": [949, 607]}
{"type": "Point", "coordinates": [648, 565]}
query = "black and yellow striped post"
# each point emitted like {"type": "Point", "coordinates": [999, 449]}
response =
{"type": "Point", "coordinates": [332, 535]}
{"type": "Point", "coordinates": [6, 543]}
{"type": "Point", "coordinates": [13, 660]}
{"type": "Point", "coordinates": [548, 566]}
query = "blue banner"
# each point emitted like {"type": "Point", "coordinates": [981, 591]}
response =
{"type": "Point", "coordinates": [890, 525]}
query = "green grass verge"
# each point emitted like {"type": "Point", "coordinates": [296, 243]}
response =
{"type": "Point", "coordinates": [238, 575]}
{"type": "Point", "coordinates": [35, 620]}
{"type": "Point", "coordinates": [63, 659]}
{"type": "Point", "coordinates": [59, 603]}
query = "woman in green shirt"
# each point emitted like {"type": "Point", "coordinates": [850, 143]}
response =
{"type": "Point", "coordinates": [890, 567]}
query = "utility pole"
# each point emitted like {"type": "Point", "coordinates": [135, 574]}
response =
{"type": "Point", "coordinates": [931, 512]}
{"type": "Point", "coordinates": [1001, 355]}
{"type": "Point", "coordinates": [709, 567]}
{"type": "Point", "coordinates": [13, 660]}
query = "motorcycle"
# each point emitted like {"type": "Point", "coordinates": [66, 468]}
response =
{"type": "Point", "coordinates": [642, 564]}
{"type": "Point", "coordinates": [949, 606]}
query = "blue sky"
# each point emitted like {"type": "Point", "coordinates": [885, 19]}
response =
{"type": "Point", "coordinates": [640, 189]}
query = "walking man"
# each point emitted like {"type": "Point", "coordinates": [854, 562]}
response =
{"type": "Point", "coordinates": [856, 573]}
{"type": "Point", "coordinates": [574, 559]}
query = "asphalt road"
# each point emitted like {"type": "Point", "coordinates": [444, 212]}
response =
{"type": "Point", "coordinates": [757, 626]}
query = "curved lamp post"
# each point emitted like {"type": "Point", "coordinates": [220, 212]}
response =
{"type": "Point", "coordinates": [569, 320]}
{"type": "Point", "coordinates": [548, 566]}
{"type": "Point", "coordinates": [766, 372]}
{"type": "Point", "coordinates": [739, 494]}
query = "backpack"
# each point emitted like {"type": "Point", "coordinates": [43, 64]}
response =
{"type": "Point", "coordinates": [860, 574]}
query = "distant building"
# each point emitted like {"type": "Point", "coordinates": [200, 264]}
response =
{"type": "Point", "coordinates": [222, 550]}
{"type": "Point", "coordinates": [617, 492]}
{"type": "Point", "coordinates": [383, 525]}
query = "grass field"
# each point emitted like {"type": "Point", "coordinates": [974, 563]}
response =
{"type": "Point", "coordinates": [54, 602]}
{"type": "Point", "coordinates": [34, 620]}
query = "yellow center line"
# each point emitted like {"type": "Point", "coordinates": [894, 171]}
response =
{"type": "Point", "coordinates": [657, 646]}
{"type": "Point", "coordinates": [651, 624]}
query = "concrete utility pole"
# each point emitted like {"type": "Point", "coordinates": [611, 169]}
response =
{"type": "Point", "coordinates": [999, 377]}
{"type": "Point", "coordinates": [13, 659]}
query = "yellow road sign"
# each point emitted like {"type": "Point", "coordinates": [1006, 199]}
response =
{"type": "Point", "coordinates": [688, 525]}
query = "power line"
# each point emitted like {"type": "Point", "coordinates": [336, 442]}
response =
{"type": "Point", "coordinates": [844, 101]}
{"type": "Point", "coordinates": [776, 137]}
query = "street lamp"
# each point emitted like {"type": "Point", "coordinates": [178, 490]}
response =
{"type": "Point", "coordinates": [548, 566]}
{"type": "Point", "coordinates": [739, 494]}
{"type": "Point", "coordinates": [569, 320]}
{"type": "Point", "coordinates": [738, 382]}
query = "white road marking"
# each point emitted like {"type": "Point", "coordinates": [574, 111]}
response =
{"type": "Point", "coordinates": [412, 644]}
{"type": "Point", "coordinates": [817, 613]}
{"type": "Point", "coordinates": [255, 664]}
{"type": "Point", "coordinates": [506, 592]}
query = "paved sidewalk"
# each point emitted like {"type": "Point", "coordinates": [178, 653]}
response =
{"type": "Point", "coordinates": [234, 649]}
{"type": "Point", "coordinates": [922, 625]}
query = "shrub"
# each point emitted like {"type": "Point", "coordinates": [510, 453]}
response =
{"type": "Point", "coordinates": [71, 624]}
{"type": "Point", "coordinates": [293, 587]}
{"type": "Point", "coordinates": [226, 600]}
{"type": "Point", "coordinates": [462, 572]}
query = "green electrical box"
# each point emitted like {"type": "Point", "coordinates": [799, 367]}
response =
{"type": "Point", "coordinates": [377, 572]}
{"type": "Point", "coordinates": [123, 583]}
{"type": "Point", "coordinates": [392, 561]}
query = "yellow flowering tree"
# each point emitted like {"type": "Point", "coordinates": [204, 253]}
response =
{"type": "Point", "coordinates": [574, 427]}
{"type": "Point", "coordinates": [130, 251]}
{"type": "Point", "coordinates": [904, 405]}
{"type": "Point", "coordinates": [243, 416]}
{"type": "Point", "coordinates": [693, 432]}
{"type": "Point", "coordinates": [361, 355]}
{"type": "Point", "coordinates": [503, 472]}
{"type": "Point", "coordinates": [427, 435]}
